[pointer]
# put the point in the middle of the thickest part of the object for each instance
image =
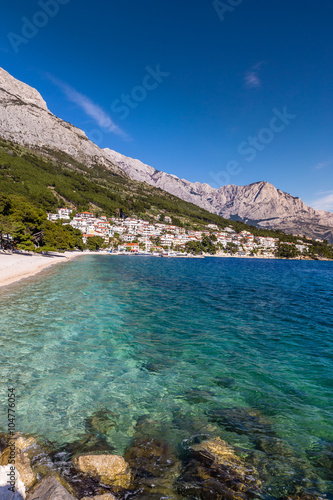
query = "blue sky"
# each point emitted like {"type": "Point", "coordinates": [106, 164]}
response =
{"type": "Point", "coordinates": [223, 92]}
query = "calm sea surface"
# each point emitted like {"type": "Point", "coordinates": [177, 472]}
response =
{"type": "Point", "coordinates": [183, 341]}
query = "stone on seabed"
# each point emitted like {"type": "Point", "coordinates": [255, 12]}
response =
{"type": "Point", "coordinates": [111, 469]}
{"type": "Point", "coordinates": [50, 488]}
{"type": "Point", "coordinates": [101, 422]}
{"type": "Point", "coordinates": [155, 468]}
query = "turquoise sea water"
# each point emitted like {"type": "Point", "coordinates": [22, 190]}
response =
{"type": "Point", "coordinates": [183, 341]}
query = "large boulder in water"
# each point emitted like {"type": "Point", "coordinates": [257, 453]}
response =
{"type": "Point", "coordinates": [215, 471]}
{"type": "Point", "coordinates": [111, 470]}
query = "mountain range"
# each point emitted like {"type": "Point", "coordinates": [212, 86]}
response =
{"type": "Point", "coordinates": [26, 120]}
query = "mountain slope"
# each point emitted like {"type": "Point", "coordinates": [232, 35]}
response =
{"type": "Point", "coordinates": [259, 203]}
{"type": "Point", "coordinates": [26, 120]}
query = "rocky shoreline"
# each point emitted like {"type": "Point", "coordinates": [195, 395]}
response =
{"type": "Point", "coordinates": [205, 466]}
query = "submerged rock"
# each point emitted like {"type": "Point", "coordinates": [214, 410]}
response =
{"type": "Point", "coordinates": [155, 468]}
{"type": "Point", "coordinates": [111, 470]}
{"type": "Point", "coordinates": [89, 443]}
{"type": "Point", "coordinates": [215, 471]}
{"type": "Point", "coordinates": [224, 382]}
{"type": "Point", "coordinates": [242, 421]}
{"type": "Point", "coordinates": [101, 422]}
{"type": "Point", "coordinates": [322, 458]}
{"type": "Point", "coordinates": [146, 427]}
{"type": "Point", "coordinates": [158, 366]}
{"type": "Point", "coordinates": [49, 488]}
{"type": "Point", "coordinates": [151, 367]}
{"type": "Point", "coordinates": [198, 396]}
{"type": "Point", "coordinates": [193, 425]}
{"type": "Point", "coordinates": [283, 471]}
{"type": "Point", "coordinates": [305, 495]}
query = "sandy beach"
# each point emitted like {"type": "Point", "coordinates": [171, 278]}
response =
{"type": "Point", "coordinates": [17, 266]}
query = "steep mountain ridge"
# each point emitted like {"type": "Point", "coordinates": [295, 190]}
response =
{"type": "Point", "coordinates": [259, 203]}
{"type": "Point", "coordinates": [26, 120]}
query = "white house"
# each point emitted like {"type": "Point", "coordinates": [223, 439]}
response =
{"type": "Point", "coordinates": [64, 213]}
{"type": "Point", "coordinates": [53, 217]}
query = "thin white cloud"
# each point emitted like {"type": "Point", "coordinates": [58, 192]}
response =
{"type": "Point", "coordinates": [89, 107]}
{"type": "Point", "coordinates": [323, 164]}
{"type": "Point", "coordinates": [324, 201]}
{"type": "Point", "coordinates": [251, 78]}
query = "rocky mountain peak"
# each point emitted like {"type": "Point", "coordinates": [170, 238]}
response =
{"type": "Point", "coordinates": [19, 91]}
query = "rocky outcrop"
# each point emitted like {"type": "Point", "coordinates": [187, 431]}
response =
{"type": "Point", "coordinates": [22, 465]}
{"type": "Point", "coordinates": [26, 120]}
{"type": "Point", "coordinates": [260, 203]}
{"type": "Point", "coordinates": [111, 470]}
{"type": "Point", "coordinates": [50, 488]}
{"type": "Point", "coordinates": [216, 471]}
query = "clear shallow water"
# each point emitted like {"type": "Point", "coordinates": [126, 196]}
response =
{"type": "Point", "coordinates": [178, 340]}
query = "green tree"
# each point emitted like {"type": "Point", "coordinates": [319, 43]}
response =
{"type": "Point", "coordinates": [57, 237]}
{"type": "Point", "coordinates": [209, 247]}
{"type": "Point", "coordinates": [232, 247]}
{"type": "Point", "coordinates": [287, 251]}
{"type": "Point", "coordinates": [194, 247]}
{"type": "Point", "coordinates": [95, 243]}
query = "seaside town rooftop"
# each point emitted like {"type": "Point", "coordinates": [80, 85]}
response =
{"type": "Point", "coordinates": [131, 234]}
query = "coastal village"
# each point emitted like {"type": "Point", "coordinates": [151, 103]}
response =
{"type": "Point", "coordinates": [133, 236]}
